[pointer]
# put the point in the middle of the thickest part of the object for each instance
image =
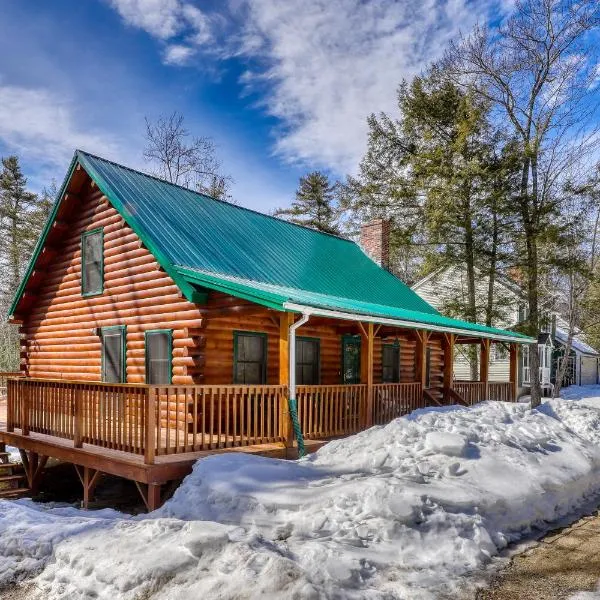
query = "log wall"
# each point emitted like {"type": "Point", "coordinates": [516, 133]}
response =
{"type": "Point", "coordinates": [58, 336]}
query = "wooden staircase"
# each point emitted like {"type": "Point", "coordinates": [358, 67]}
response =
{"type": "Point", "coordinates": [13, 480]}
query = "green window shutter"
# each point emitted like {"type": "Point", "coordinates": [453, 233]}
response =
{"type": "Point", "coordinates": [159, 357]}
{"type": "Point", "coordinates": [308, 367]}
{"type": "Point", "coordinates": [390, 363]}
{"type": "Point", "coordinates": [249, 357]}
{"type": "Point", "coordinates": [113, 354]}
{"type": "Point", "coordinates": [92, 262]}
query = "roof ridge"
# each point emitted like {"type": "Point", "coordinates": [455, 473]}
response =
{"type": "Point", "coordinates": [207, 197]}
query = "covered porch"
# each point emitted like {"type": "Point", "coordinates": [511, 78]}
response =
{"type": "Point", "coordinates": [153, 434]}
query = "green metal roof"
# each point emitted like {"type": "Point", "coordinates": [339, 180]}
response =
{"type": "Point", "coordinates": [207, 243]}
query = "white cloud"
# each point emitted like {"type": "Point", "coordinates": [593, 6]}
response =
{"type": "Point", "coordinates": [40, 126]}
{"type": "Point", "coordinates": [160, 18]}
{"type": "Point", "coordinates": [182, 24]}
{"type": "Point", "coordinates": [330, 63]}
{"type": "Point", "coordinates": [178, 54]}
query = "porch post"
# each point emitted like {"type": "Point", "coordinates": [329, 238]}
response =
{"type": "Point", "coordinates": [420, 357]}
{"type": "Point", "coordinates": [366, 368]}
{"type": "Point", "coordinates": [484, 365]}
{"type": "Point", "coordinates": [449, 339]}
{"type": "Point", "coordinates": [513, 371]}
{"type": "Point", "coordinates": [285, 320]}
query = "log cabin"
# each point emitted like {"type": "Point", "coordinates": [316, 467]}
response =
{"type": "Point", "coordinates": [159, 325]}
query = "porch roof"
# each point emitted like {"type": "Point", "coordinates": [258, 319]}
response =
{"type": "Point", "coordinates": [297, 300]}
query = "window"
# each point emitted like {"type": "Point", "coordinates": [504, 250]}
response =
{"type": "Point", "coordinates": [159, 357]}
{"type": "Point", "coordinates": [390, 363]}
{"type": "Point", "coordinates": [523, 313]}
{"type": "Point", "coordinates": [500, 353]}
{"type": "Point", "coordinates": [113, 354]}
{"type": "Point", "coordinates": [428, 367]}
{"type": "Point", "coordinates": [307, 361]}
{"type": "Point", "coordinates": [92, 263]}
{"type": "Point", "coordinates": [249, 357]}
{"type": "Point", "coordinates": [526, 367]}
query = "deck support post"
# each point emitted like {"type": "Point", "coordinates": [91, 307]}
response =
{"type": "Point", "coordinates": [448, 344]}
{"type": "Point", "coordinates": [33, 465]}
{"type": "Point", "coordinates": [513, 371]}
{"type": "Point", "coordinates": [484, 365]}
{"type": "Point", "coordinates": [285, 320]}
{"type": "Point", "coordinates": [89, 480]}
{"type": "Point", "coordinates": [366, 368]}
{"type": "Point", "coordinates": [422, 337]}
{"type": "Point", "coordinates": [151, 495]}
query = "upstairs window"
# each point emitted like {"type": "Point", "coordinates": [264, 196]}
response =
{"type": "Point", "coordinates": [390, 363]}
{"type": "Point", "coordinates": [249, 357]}
{"type": "Point", "coordinates": [92, 263]}
{"type": "Point", "coordinates": [159, 357]}
{"type": "Point", "coordinates": [307, 361]}
{"type": "Point", "coordinates": [113, 354]}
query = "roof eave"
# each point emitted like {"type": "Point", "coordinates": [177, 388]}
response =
{"type": "Point", "coordinates": [349, 316]}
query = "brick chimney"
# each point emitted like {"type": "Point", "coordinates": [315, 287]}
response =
{"type": "Point", "coordinates": [375, 241]}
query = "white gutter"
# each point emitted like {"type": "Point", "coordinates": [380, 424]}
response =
{"type": "Point", "coordinates": [293, 406]}
{"type": "Point", "coordinates": [336, 314]}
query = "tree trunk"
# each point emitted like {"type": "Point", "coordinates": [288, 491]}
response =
{"type": "Point", "coordinates": [489, 310]}
{"type": "Point", "coordinates": [471, 292]}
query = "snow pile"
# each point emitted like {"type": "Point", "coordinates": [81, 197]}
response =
{"type": "Point", "coordinates": [401, 511]}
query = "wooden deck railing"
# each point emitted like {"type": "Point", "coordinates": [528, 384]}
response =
{"type": "Point", "coordinates": [194, 418]}
{"type": "Point", "coordinates": [331, 410]}
{"type": "Point", "coordinates": [158, 420]}
{"type": "Point", "coordinates": [108, 415]}
{"type": "Point", "coordinates": [477, 391]}
{"type": "Point", "coordinates": [392, 400]}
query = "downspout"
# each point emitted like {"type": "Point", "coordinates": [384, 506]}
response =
{"type": "Point", "coordinates": [292, 403]}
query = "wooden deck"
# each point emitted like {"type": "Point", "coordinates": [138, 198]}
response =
{"type": "Point", "coordinates": [154, 435]}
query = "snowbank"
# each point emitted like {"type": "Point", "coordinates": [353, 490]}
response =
{"type": "Point", "coordinates": [401, 511]}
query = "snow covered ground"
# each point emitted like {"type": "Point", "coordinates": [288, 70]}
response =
{"type": "Point", "coordinates": [401, 511]}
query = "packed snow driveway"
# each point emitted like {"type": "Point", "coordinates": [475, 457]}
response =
{"type": "Point", "coordinates": [402, 511]}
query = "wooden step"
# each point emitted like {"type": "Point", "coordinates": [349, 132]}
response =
{"type": "Point", "coordinates": [6, 466]}
{"type": "Point", "coordinates": [9, 478]}
{"type": "Point", "coordinates": [14, 493]}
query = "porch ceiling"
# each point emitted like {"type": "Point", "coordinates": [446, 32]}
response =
{"type": "Point", "coordinates": [303, 301]}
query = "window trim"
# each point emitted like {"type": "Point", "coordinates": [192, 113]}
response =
{"type": "Point", "coordinates": [123, 330]}
{"type": "Point", "coordinates": [85, 235]}
{"type": "Point", "coordinates": [394, 347]}
{"type": "Point", "coordinates": [241, 332]}
{"type": "Point", "coordinates": [318, 341]}
{"type": "Point", "coordinates": [146, 358]}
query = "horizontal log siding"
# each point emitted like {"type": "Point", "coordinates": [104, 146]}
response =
{"type": "Point", "coordinates": [57, 332]}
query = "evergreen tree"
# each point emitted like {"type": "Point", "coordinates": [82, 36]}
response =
{"type": "Point", "coordinates": [22, 217]}
{"type": "Point", "coordinates": [445, 176]}
{"type": "Point", "coordinates": [315, 205]}
{"type": "Point", "coordinates": [18, 233]}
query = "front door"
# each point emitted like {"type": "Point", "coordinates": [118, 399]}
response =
{"type": "Point", "coordinates": [351, 359]}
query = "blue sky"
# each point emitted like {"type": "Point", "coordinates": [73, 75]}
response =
{"type": "Point", "coordinates": [283, 86]}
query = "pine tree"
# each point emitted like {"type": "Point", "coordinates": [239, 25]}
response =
{"type": "Point", "coordinates": [17, 232]}
{"type": "Point", "coordinates": [315, 205]}
{"type": "Point", "coordinates": [22, 216]}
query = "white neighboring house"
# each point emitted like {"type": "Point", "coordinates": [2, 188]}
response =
{"type": "Point", "coordinates": [443, 287]}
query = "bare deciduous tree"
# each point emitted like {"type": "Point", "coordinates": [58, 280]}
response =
{"type": "Point", "coordinates": [179, 157]}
